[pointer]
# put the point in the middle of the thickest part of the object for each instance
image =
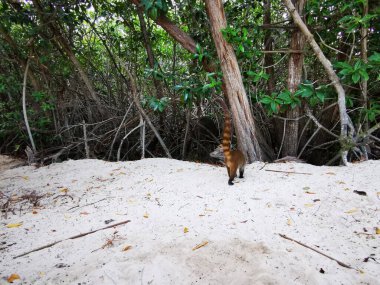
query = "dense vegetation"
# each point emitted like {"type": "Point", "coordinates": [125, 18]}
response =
{"type": "Point", "coordinates": [108, 79]}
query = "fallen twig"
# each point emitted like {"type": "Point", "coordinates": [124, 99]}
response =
{"type": "Point", "coordinates": [73, 237]}
{"type": "Point", "coordinates": [265, 164]}
{"type": "Point", "coordinates": [64, 196]}
{"type": "Point", "coordinates": [288, 172]}
{"type": "Point", "coordinates": [78, 207]}
{"type": "Point", "coordinates": [339, 262]}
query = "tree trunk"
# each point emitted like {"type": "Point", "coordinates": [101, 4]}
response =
{"type": "Point", "coordinates": [294, 79]}
{"type": "Point", "coordinates": [233, 83]}
{"type": "Point", "coordinates": [24, 109]}
{"type": "Point", "coordinates": [151, 60]}
{"type": "Point", "coordinates": [344, 119]}
{"type": "Point", "coordinates": [243, 113]}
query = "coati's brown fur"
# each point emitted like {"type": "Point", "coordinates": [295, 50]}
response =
{"type": "Point", "coordinates": [234, 159]}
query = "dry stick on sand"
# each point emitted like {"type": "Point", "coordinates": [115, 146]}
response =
{"type": "Point", "coordinates": [288, 172]}
{"type": "Point", "coordinates": [89, 204]}
{"type": "Point", "coordinates": [339, 262]}
{"type": "Point", "coordinates": [73, 237]}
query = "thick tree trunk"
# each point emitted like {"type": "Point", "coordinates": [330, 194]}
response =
{"type": "Point", "coordinates": [244, 114]}
{"type": "Point", "coordinates": [241, 113]}
{"type": "Point", "coordinates": [294, 79]}
{"type": "Point", "coordinates": [344, 119]}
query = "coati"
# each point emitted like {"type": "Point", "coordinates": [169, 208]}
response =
{"type": "Point", "coordinates": [234, 159]}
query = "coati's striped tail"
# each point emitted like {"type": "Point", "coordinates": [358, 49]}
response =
{"type": "Point", "coordinates": [226, 142]}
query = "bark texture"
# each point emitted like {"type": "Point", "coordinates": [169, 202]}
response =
{"type": "Point", "coordinates": [344, 119]}
{"type": "Point", "coordinates": [294, 79]}
{"type": "Point", "coordinates": [242, 118]}
{"type": "Point", "coordinates": [180, 36]}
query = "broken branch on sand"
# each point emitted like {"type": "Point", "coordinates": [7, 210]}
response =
{"type": "Point", "coordinates": [304, 245]}
{"type": "Point", "coordinates": [73, 237]}
{"type": "Point", "coordinates": [288, 172]}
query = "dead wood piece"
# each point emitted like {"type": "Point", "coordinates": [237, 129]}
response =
{"type": "Point", "coordinates": [89, 204]}
{"type": "Point", "coordinates": [63, 196]}
{"type": "Point", "coordinates": [73, 237]}
{"type": "Point", "coordinates": [288, 172]}
{"type": "Point", "coordinates": [317, 251]}
{"type": "Point", "coordinates": [289, 159]}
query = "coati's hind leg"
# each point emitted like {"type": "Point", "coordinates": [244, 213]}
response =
{"type": "Point", "coordinates": [232, 174]}
{"type": "Point", "coordinates": [241, 172]}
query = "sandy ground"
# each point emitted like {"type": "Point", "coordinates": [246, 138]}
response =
{"type": "Point", "coordinates": [173, 206]}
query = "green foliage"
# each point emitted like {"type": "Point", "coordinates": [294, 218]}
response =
{"type": "Point", "coordinates": [257, 76]}
{"type": "Point", "coordinates": [10, 116]}
{"type": "Point", "coordinates": [215, 80]}
{"type": "Point", "coordinates": [200, 54]}
{"type": "Point", "coordinates": [352, 22]}
{"type": "Point", "coordinates": [44, 100]}
{"type": "Point", "coordinates": [154, 8]}
{"type": "Point", "coordinates": [157, 105]}
{"type": "Point", "coordinates": [272, 103]}
{"type": "Point", "coordinates": [192, 90]}
{"type": "Point", "coordinates": [373, 112]}
{"type": "Point", "coordinates": [154, 72]}
{"type": "Point", "coordinates": [279, 102]}
{"type": "Point", "coordinates": [241, 41]}
{"type": "Point", "coordinates": [374, 59]}
{"type": "Point", "coordinates": [353, 73]}
{"type": "Point", "coordinates": [103, 34]}
{"type": "Point", "coordinates": [313, 96]}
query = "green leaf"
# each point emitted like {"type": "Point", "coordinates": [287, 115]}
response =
{"type": "Point", "coordinates": [251, 73]}
{"type": "Point", "coordinates": [345, 72]}
{"type": "Point", "coordinates": [320, 95]}
{"type": "Point", "coordinates": [266, 100]}
{"type": "Point", "coordinates": [375, 58]}
{"type": "Point", "coordinates": [343, 65]}
{"type": "Point", "coordinates": [153, 13]}
{"type": "Point", "coordinates": [357, 65]}
{"type": "Point", "coordinates": [364, 74]}
{"type": "Point", "coordinates": [273, 106]}
{"type": "Point", "coordinates": [38, 96]}
{"type": "Point", "coordinates": [198, 48]}
{"type": "Point", "coordinates": [313, 101]}
{"type": "Point", "coordinates": [285, 97]}
{"type": "Point", "coordinates": [265, 76]}
{"type": "Point", "coordinates": [355, 77]}
{"type": "Point", "coordinates": [306, 91]}
{"type": "Point", "coordinates": [159, 4]}
{"type": "Point", "coordinates": [147, 4]}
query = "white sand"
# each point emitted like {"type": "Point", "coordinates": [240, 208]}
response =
{"type": "Point", "coordinates": [241, 224]}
